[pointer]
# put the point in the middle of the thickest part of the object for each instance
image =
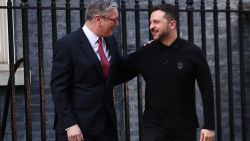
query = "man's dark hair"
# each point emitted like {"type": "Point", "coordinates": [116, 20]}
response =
{"type": "Point", "coordinates": [169, 10]}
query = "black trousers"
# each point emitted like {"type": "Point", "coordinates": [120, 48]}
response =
{"type": "Point", "coordinates": [109, 134]}
{"type": "Point", "coordinates": [157, 133]}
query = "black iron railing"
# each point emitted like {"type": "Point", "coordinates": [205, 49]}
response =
{"type": "Point", "coordinates": [8, 99]}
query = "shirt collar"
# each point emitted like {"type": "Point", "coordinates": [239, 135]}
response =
{"type": "Point", "coordinates": [176, 43]}
{"type": "Point", "coordinates": [92, 37]}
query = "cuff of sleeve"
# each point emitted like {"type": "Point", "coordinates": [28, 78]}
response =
{"type": "Point", "coordinates": [69, 127]}
{"type": "Point", "coordinates": [209, 127]}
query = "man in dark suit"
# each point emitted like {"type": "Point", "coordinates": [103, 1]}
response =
{"type": "Point", "coordinates": [170, 66]}
{"type": "Point", "coordinates": [84, 67]}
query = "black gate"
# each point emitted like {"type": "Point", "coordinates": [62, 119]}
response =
{"type": "Point", "coordinates": [220, 28]}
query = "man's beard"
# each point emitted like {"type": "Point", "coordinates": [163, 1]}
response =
{"type": "Point", "coordinates": [164, 35]}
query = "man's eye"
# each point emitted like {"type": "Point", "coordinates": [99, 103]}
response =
{"type": "Point", "coordinates": [156, 22]}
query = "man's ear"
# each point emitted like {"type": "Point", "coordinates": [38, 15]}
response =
{"type": "Point", "coordinates": [97, 19]}
{"type": "Point", "coordinates": [173, 24]}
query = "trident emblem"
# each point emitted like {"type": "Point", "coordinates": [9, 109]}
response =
{"type": "Point", "coordinates": [180, 65]}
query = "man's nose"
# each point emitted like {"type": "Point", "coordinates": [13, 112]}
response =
{"type": "Point", "coordinates": [151, 26]}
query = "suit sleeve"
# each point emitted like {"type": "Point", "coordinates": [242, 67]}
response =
{"type": "Point", "coordinates": [60, 84]}
{"type": "Point", "coordinates": [205, 84]}
{"type": "Point", "coordinates": [128, 67]}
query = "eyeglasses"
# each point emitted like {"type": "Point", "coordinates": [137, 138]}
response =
{"type": "Point", "coordinates": [113, 20]}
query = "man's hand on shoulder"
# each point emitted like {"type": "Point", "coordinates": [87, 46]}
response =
{"type": "Point", "coordinates": [74, 133]}
{"type": "Point", "coordinates": [148, 42]}
{"type": "Point", "coordinates": [207, 135]}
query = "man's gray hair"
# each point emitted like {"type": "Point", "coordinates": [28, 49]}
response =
{"type": "Point", "coordinates": [99, 7]}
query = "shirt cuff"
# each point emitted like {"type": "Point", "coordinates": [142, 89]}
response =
{"type": "Point", "coordinates": [70, 126]}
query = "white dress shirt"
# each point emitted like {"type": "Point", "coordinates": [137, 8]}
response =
{"type": "Point", "coordinates": [93, 41]}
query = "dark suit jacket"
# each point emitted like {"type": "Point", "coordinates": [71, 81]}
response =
{"type": "Point", "coordinates": [80, 92]}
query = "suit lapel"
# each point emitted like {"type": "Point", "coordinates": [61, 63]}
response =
{"type": "Point", "coordinates": [110, 46]}
{"type": "Point", "coordinates": [87, 48]}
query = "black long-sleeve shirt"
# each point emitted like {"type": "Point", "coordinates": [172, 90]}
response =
{"type": "Point", "coordinates": [170, 73]}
